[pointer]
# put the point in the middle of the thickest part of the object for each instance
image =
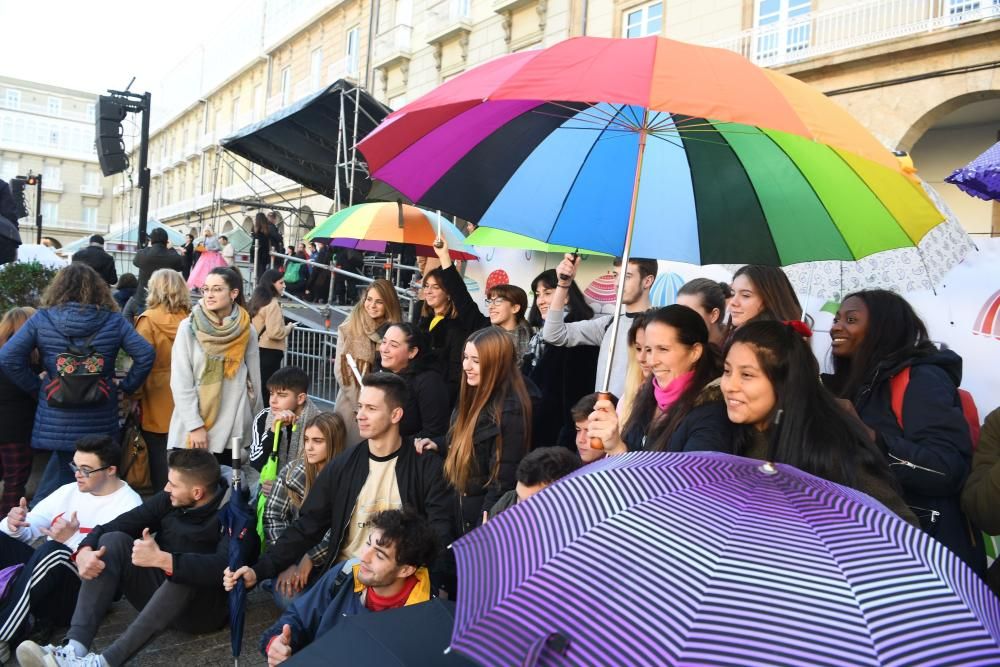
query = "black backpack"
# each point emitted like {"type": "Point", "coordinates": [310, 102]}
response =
{"type": "Point", "coordinates": [79, 380]}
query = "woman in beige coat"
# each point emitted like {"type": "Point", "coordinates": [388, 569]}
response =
{"type": "Point", "coordinates": [358, 336]}
{"type": "Point", "coordinates": [269, 321]}
{"type": "Point", "coordinates": [168, 302]}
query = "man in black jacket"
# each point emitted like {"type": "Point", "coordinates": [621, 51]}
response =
{"type": "Point", "coordinates": [172, 578]}
{"type": "Point", "coordinates": [156, 256]}
{"type": "Point", "coordinates": [380, 473]}
{"type": "Point", "coordinates": [99, 260]}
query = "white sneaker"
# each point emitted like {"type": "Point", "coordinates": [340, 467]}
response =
{"type": "Point", "coordinates": [67, 658]}
{"type": "Point", "coordinates": [30, 654]}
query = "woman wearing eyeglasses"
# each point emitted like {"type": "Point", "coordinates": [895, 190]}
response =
{"type": "Point", "coordinates": [215, 369]}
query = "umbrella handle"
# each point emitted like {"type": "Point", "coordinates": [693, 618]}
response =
{"type": "Point", "coordinates": [564, 277]}
{"type": "Point", "coordinates": [597, 443]}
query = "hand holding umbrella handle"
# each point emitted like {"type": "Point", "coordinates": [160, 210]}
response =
{"type": "Point", "coordinates": [597, 443]}
{"type": "Point", "coordinates": [573, 257]}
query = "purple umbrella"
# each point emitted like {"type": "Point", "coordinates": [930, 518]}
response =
{"type": "Point", "coordinates": [714, 559]}
{"type": "Point", "coordinates": [981, 177]}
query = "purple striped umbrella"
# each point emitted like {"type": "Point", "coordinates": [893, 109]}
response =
{"type": "Point", "coordinates": [981, 177]}
{"type": "Point", "coordinates": [709, 559]}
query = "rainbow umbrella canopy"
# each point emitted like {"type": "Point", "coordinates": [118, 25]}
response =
{"type": "Point", "coordinates": [370, 227]}
{"type": "Point", "coordinates": [713, 159]}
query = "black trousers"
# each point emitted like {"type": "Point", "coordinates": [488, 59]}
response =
{"type": "Point", "coordinates": [46, 587]}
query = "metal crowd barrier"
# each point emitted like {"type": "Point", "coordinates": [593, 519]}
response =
{"type": "Point", "coordinates": [314, 351]}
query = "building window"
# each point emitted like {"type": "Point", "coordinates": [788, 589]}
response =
{"type": "Point", "coordinates": [236, 114]}
{"type": "Point", "coordinates": [782, 33]}
{"type": "Point", "coordinates": [91, 112]}
{"type": "Point", "coordinates": [352, 51]}
{"type": "Point", "coordinates": [286, 85]}
{"type": "Point", "coordinates": [51, 176]}
{"type": "Point", "coordinates": [55, 106]}
{"type": "Point", "coordinates": [316, 69]}
{"type": "Point", "coordinates": [90, 217]}
{"type": "Point", "coordinates": [50, 212]}
{"type": "Point", "coordinates": [258, 102]}
{"type": "Point", "coordinates": [12, 100]}
{"type": "Point", "coordinates": [8, 170]}
{"type": "Point", "coordinates": [643, 21]}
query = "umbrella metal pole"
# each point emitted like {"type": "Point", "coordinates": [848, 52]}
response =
{"type": "Point", "coordinates": [616, 317]}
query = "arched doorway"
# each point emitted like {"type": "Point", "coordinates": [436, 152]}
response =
{"type": "Point", "coordinates": [950, 136]}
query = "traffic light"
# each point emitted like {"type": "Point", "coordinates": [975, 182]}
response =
{"type": "Point", "coordinates": [110, 147]}
{"type": "Point", "coordinates": [17, 190]}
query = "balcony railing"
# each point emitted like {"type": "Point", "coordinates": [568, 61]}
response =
{"type": "Point", "coordinates": [345, 68]}
{"type": "Point", "coordinates": [852, 26]}
{"type": "Point", "coordinates": [393, 44]}
{"type": "Point", "coordinates": [51, 185]}
{"type": "Point", "coordinates": [448, 18]}
{"type": "Point", "coordinates": [92, 190]}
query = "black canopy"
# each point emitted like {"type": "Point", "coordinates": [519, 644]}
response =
{"type": "Point", "coordinates": [300, 141]}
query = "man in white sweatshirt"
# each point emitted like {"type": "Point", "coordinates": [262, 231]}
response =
{"type": "Point", "coordinates": [47, 583]}
{"type": "Point", "coordinates": [639, 277]}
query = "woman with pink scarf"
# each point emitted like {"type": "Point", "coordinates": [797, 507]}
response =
{"type": "Point", "coordinates": [680, 408]}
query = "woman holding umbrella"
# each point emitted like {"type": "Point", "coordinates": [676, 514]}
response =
{"type": "Point", "coordinates": [783, 413]}
{"type": "Point", "coordinates": [681, 408]}
{"type": "Point", "coordinates": [358, 337]}
{"type": "Point", "coordinates": [878, 340]}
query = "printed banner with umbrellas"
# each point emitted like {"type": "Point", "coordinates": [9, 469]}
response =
{"type": "Point", "coordinates": [711, 559]}
{"type": "Point", "coordinates": [653, 148]}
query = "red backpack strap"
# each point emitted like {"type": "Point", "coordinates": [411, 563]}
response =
{"type": "Point", "coordinates": [971, 415]}
{"type": "Point", "coordinates": [897, 390]}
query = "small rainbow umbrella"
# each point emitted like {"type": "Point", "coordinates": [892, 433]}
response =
{"type": "Point", "coordinates": [652, 148]}
{"type": "Point", "coordinates": [369, 227]}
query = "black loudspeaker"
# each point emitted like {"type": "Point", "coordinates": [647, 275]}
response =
{"type": "Point", "coordinates": [110, 146]}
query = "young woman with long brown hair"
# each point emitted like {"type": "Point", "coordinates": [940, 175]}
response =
{"type": "Point", "coordinates": [491, 426]}
{"type": "Point", "coordinates": [324, 437]}
{"type": "Point", "coordinates": [358, 336]}
{"type": "Point", "coordinates": [17, 410]}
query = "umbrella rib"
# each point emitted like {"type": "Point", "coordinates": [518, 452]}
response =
{"type": "Point", "coordinates": [599, 125]}
{"type": "Point", "coordinates": [593, 111]}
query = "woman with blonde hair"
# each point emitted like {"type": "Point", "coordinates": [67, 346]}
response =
{"type": "Point", "coordinates": [17, 410]}
{"type": "Point", "coordinates": [358, 336]}
{"type": "Point", "coordinates": [324, 438]}
{"type": "Point", "coordinates": [168, 303]}
{"type": "Point", "coordinates": [490, 427]}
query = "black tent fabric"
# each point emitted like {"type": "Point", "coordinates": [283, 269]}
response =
{"type": "Point", "coordinates": [300, 141]}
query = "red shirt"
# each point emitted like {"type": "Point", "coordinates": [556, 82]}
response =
{"type": "Point", "coordinates": [375, 602]}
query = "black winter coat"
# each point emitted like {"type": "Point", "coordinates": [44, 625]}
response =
{"type": "Point", "coordinates": [331, 502]}
{"type": "Point", "coordinates": [17, 411]}
{"type": "Point", "coordinates": [95, 257]}
{"type": "Point", "coordinates": [932, 454]}
{"type": "Point", "coordinates": [706, 428]}
{"type": "Point", "coordinates": [563, 376]}
{"type": "Point", "coordinates": [152, 258]}
{"type": "Point", "coordinates": [199, 546]}
{"type": "Point", "coordinates": [427, 409]}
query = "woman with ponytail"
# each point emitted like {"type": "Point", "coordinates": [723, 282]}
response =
{"type": "Point", "coordinates": [770, 370]}
{"type": "Point", "coordinates": [491, 426]}
{"type": "Point", "coordinates": [215, 369]}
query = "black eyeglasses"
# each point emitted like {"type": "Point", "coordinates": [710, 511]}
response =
{"type": "Point", "coordinates": [84, 470]}
{"type": "Point", "coordinates": [498, 300]}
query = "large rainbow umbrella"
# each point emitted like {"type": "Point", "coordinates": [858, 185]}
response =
{"type": "Point", "coordinates": [656, 148]}
{"type": "Point", "coordinates": [370, 227]}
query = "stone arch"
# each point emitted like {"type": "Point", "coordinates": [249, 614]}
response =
{"type": "Point", "coordinates": [932, 117]}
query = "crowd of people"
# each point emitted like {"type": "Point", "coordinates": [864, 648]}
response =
{"type": "Point", "coordinates": [440, 424]}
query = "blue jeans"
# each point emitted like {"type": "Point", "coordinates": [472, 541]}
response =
{"type": "Point", "coordinates": [57, 473]}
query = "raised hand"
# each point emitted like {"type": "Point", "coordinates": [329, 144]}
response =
{"type": "Point", "coordinates": [17, 516]}
{"type": "Point", "coordinates": [89, 563]}
{"type": "Point", "coordinates": [62, 529]}
{"type": "Point", "coordinates": [280, 648]}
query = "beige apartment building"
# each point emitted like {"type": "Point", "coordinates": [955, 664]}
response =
{"type": "Point", "coordinates": [922, 75]}
{"type": "Point", "coordinates": [49, 130]}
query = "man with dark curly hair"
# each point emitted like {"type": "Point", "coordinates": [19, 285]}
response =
{"type": "Point", "coordinates": [391, 572]}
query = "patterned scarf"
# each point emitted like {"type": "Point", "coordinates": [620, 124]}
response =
{"type": "Point", "coordinates": [225, 347]}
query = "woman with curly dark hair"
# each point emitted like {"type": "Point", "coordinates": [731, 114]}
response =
{"type": "Point", "coordinates": [78, 325]}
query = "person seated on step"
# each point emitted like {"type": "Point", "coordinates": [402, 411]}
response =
{"type": "Point", "coordinates": [47, 584]}
{"type": "Point", "coordinates": [390, 572]}
{"type": "Point", "coordinates": [172, 579]}
{"type": "Point", "coordinates": [537, 470]}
